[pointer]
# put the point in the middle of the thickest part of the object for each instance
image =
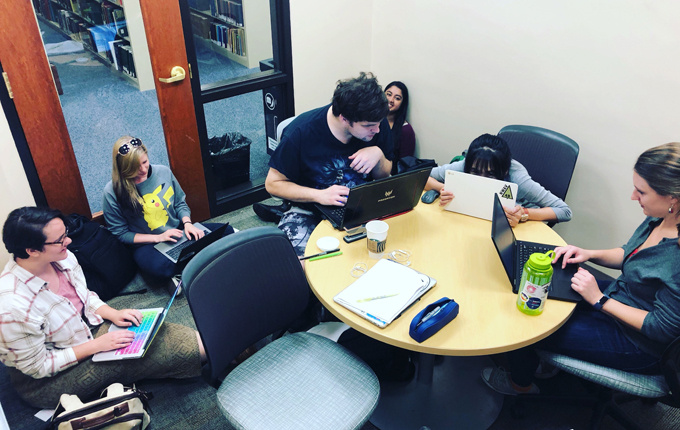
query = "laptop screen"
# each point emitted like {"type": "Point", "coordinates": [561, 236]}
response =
{"type": "Point", "coordinates": [503, 238]}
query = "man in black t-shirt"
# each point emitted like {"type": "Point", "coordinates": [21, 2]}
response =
{"type": "Point", "coordinates": [326, 151]}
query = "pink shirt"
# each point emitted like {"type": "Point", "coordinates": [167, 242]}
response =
{"type": "Point", "coordinates": [66, 289]}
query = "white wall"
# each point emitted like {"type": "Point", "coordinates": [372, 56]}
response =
{"type": "Point", "coordinates": [331, 41]}
{"type": "Point", "coordinates": [603, 73]}
{"type": "Point", "coordinates": [14, 187]}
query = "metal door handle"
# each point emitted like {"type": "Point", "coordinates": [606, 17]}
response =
{"type": "Point", "coordinates": [176, 74]}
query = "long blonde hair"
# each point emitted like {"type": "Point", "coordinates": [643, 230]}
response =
{"type": "Point", "coordinates": [125, 169]}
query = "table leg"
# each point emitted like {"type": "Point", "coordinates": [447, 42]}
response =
{"type": "Point", "coordinates": [444, 395]}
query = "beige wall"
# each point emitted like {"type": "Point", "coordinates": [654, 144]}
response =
{"type": "Point", "coordinates": [14, 187]}
{"type": "Point", "coordinates": [603, 73]}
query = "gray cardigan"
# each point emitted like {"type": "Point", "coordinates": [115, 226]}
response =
{"type": "Point", "coordinates": [530, 194]}
{"type": "Point", "coordinates": [650, 280]}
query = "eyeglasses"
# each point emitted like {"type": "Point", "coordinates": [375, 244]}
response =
{"type": "Point", "coordinates": [125, 148]}
{"type": "Point", "coordinates": [60, 241]}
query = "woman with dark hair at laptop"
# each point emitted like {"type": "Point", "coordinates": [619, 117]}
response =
{"type": "Point", "coordinates": [490, 156]}
{"type": "Point", "coordinates": [145, 205]}
{"type": "Point", "coordinates": [402, 132]}
{"type": "Point", "coordinates": [628, 324]}
{"type": "Point", "coordinates": [47, 313]}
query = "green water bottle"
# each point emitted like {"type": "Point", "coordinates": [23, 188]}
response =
{"type": "Point", "coordinates": [536, 277]}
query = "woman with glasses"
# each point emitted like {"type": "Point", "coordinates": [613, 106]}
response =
{"type": "Point", "coordinates": [490, 156]}
{"type": "Point", "coordinates": [47, 314]}
{"type": "Point", "coordinates": [145, 205]}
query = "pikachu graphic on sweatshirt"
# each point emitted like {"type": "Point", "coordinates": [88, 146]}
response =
{"type": "Point", "coordinates": [155, 212]}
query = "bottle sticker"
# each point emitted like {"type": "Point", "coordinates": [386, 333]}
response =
{"type": "Point", "coordinates": [533, 295]}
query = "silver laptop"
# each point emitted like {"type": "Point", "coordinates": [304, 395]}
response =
{"type": "Point", "coordinates": [184, 249]}
{"type": "Point", "coordinates": [145, 332]}
{"type": "Point", "coordinates": [473, 195]}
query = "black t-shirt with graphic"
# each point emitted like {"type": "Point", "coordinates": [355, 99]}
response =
{"type": "Point", "coordinates": [311, 156]}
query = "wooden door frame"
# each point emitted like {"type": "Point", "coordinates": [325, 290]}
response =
{"type": "Point", "coordinates": [38, 107]}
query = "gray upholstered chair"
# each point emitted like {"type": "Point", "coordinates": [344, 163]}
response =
{"type": "Point", "coordinates": [618, 386]}
{"type": "Point", "coordinates": [245, 287]}
{"type": "Point", "coordinates": [548, 156]}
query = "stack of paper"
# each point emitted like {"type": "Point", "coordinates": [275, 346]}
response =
{"type": "Point", "coordinates": [384, 292]}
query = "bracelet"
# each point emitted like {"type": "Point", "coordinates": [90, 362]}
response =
{"type": "Point", "coordinates": [187, 222]}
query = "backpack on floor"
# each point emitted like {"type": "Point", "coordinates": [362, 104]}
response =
{"type": "Point", "coordinates": [107, 263]}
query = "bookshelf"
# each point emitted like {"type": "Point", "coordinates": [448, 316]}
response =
{"type": "Point", "coordinates": [237, 29]}
{"type": "Point", "coordinates": [112, 30]}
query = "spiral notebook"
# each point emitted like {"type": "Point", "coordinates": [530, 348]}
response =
{"type": "Point", "coordinates": [384, 292]}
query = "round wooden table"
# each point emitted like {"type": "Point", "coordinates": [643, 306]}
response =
{"type": "Point", "coordinates": [458, 252]}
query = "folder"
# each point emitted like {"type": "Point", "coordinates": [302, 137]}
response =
{"type": "Point", "coordinates": [384, 292]}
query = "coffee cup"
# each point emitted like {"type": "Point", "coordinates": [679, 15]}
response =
{"type": "Point", "coordinates": [376, 238]}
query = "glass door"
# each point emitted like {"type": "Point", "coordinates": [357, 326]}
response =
{"type": "Point", "coordinates": [240, 59]}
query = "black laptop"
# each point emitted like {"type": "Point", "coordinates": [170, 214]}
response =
{"type": "Point", "coordinates": [378, 199]}
{"type": "Point", "coordinates": [514, 253]}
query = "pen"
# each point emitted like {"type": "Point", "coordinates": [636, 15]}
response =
{"type": "Point", "coordinates": [432, 313]}
{"type": "Point", "coordinates": [332, 254]}
{"type": "Point", "coordinates": [320, 254]}
{"type": "Point", "coordinates": [368, 299]}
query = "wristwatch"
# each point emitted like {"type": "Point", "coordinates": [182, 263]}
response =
{"type": "Point", "coordinates": [598, 304]}
{"type": "Point", "coordinates": [525, 215]}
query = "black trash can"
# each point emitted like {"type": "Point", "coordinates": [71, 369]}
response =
{"type": "Point", "coordinates": [230, 159]}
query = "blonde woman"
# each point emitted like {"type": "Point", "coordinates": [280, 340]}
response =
{"type": "Point", "coordinates": [145, 205]}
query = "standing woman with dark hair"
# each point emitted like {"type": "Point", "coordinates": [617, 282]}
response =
{"type": "Point", "coordinates": [48, 318]}
{"type": "Point", "coordinates": [628, 324]}
{"type": "Point", "coordinates": [402, 133]}
{"type": "Point", "coordinates": [145, 205]}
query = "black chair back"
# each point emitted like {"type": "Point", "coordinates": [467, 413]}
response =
{"type": "Point", "coordinates": [241, 289]}
{"type": "Point", "coordinates": [548, 156]}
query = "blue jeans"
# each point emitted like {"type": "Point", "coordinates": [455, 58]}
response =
{"type": "Point", "coordinates": [589, 335]}
{"type": "Point", "coordinates": [158, 266]}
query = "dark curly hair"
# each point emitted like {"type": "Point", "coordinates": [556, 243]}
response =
{"type": "Point", "coordinates": [360, 99]}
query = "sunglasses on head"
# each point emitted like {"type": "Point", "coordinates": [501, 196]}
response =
{"type": "Point", "coordinates": [125, 148]}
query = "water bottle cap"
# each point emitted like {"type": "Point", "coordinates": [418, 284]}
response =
{"type": "Point", "coordinates": [541, 261]}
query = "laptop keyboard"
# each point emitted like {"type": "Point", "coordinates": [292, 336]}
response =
{"type": "Point", "coordinates": [525, 251]}
{"type": "Point", "coordinates": [142, 332]}
{"type": "Point", "coordinates": [174, 252]}
{"type": "Point", "coordinates": [338, 214]}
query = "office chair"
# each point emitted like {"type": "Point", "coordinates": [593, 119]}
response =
{"type": "Point", "coordinates": [548, 156]}
{"type": "Point", "coordinates": [617, 386]}
{"type": "Point", "coordinates": [245, 287]}
{"type": "Point", "coordinates": [282, 125]}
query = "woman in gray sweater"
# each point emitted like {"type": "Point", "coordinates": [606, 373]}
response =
{"type": "Point", "coordinates": [490, 156]}
{"type": "Point", "coordinates": [628, 324]}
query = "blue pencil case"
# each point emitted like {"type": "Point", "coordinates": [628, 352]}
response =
{"type": "Point", "coordinates": [431, 319]}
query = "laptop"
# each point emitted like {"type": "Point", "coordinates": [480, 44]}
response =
{"type": "Point", "coordinates": [514, 253]}
{"type": "Point", "coordinates": [184, 249]}
{"type": "Point", "coordinates": [474, 194]}
{"type": "Point", "coordinates": [378, 199]}
{"type": "Point", "coordinates": [145, 332]}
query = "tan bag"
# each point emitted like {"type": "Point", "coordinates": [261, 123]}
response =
{"type": "Point", "coordinates": [118, 408]}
